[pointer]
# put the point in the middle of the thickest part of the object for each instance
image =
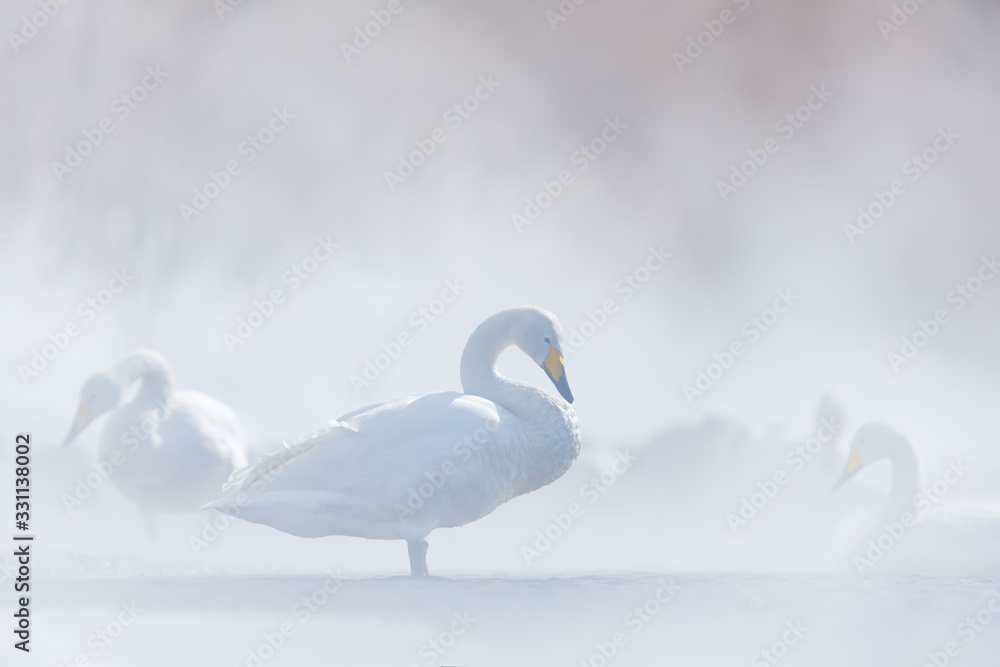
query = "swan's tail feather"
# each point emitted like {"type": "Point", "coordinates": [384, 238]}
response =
{"type": "Point", "coordinates": [241, 481]}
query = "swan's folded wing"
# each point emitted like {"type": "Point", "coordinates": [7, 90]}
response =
{"type": "Point", "coordinates": [255, 477]}
{"type": "Point", "coordinates": [362, 468]}
{"type": "Point", "coordinates": [199, 431]}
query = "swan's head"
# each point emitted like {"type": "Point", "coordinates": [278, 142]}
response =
{"type": "Point", "coordinates": [871, 443]}
{"type": "Point", "coordinates": [99, 394]}
{"type": "Point", "coordinates": [538, 334]}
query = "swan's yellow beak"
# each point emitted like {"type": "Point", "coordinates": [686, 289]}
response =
{"type": "Point", "coordinates": [84, 415]}
{"type": "Point", "coordinates": [555, 368]}
{"type": "Point", "coordinates": [854, 464]}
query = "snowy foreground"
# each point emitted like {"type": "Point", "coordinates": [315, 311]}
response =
{"type": "Point", "coordinates": [398, 621]}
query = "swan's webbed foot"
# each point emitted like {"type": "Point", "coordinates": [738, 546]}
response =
{"type": "Point", "coordinates": [418, 558]}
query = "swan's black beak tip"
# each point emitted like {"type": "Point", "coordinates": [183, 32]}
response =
{"type": "Point", "coordinates": [561, 385]}
{"type": "Point", "coordinates": [554, 366]}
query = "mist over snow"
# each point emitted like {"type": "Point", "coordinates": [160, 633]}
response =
{"type": "Point", "coordinates": [794, 221]}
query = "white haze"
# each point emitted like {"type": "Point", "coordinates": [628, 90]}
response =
{"type": "Point", "coordinates": [655, 186]}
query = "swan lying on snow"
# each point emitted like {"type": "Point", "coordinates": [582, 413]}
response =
{"type": "Point", "coordinates": [400, 469]}
{"type": "Point", "coordinates": [913, 533]}
{"type": "Point", "coordinates": [703, 497]}
{"type": "Point", "coordinates": [167, 451]}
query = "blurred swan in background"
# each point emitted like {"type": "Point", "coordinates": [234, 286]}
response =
{"type": "Point", "coordinates": [703, 497]}
{"type": "Point", "coordinates": [914, 533]}
{"type": "Point", "coordinates": [167, 451]}
{"type": "Point", "coordinates": [400, 469]}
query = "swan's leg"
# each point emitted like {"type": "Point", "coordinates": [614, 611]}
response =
{"type": "Point", "coordinates": [418, 558]}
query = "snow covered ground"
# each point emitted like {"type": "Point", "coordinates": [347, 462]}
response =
{"type": "Point", "coordinates": [634, 619]}
{"type": "Point", "coordinates": [618, 587]}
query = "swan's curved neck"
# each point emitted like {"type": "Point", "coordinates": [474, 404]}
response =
{"type": "Point", "coordinates": [544, 439]}
{"type": "Point", "coordinates": [155, 385]}
{"type": "Point", "coordinates": [479, 360]}
{"type": "Point", "coordinates": [905, 481]}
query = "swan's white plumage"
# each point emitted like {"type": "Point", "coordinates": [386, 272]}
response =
{"type": "Point", "coordinates": [400, 469]}
{"type": "Point", "coordinates": [175, 447]}
{"type": "Point", "coordinates": [953, 537]}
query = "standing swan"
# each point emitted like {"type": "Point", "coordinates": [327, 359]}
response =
{"type": "Point", "coordinates": [168, 451]}
{"type": "Point", "coordinates": [914, 533]}
{"type": "Point", "coordinates": [400, 469]}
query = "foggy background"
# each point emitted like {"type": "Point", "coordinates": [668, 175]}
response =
{"type": "Point", "coordinates": [655, 186]}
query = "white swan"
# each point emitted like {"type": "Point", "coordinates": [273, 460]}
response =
{"type": "Point", "coordinates": [914, 533]}
{"type": "Point", "coordinates": [167, 451]}
{"type": "Point", "coordinates": [400, 469]}
{"type": "Point", "coordinates": [704, 497]}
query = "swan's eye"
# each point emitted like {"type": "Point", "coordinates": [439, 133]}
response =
{"type": "Point", "coordinates": [548, 341]}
